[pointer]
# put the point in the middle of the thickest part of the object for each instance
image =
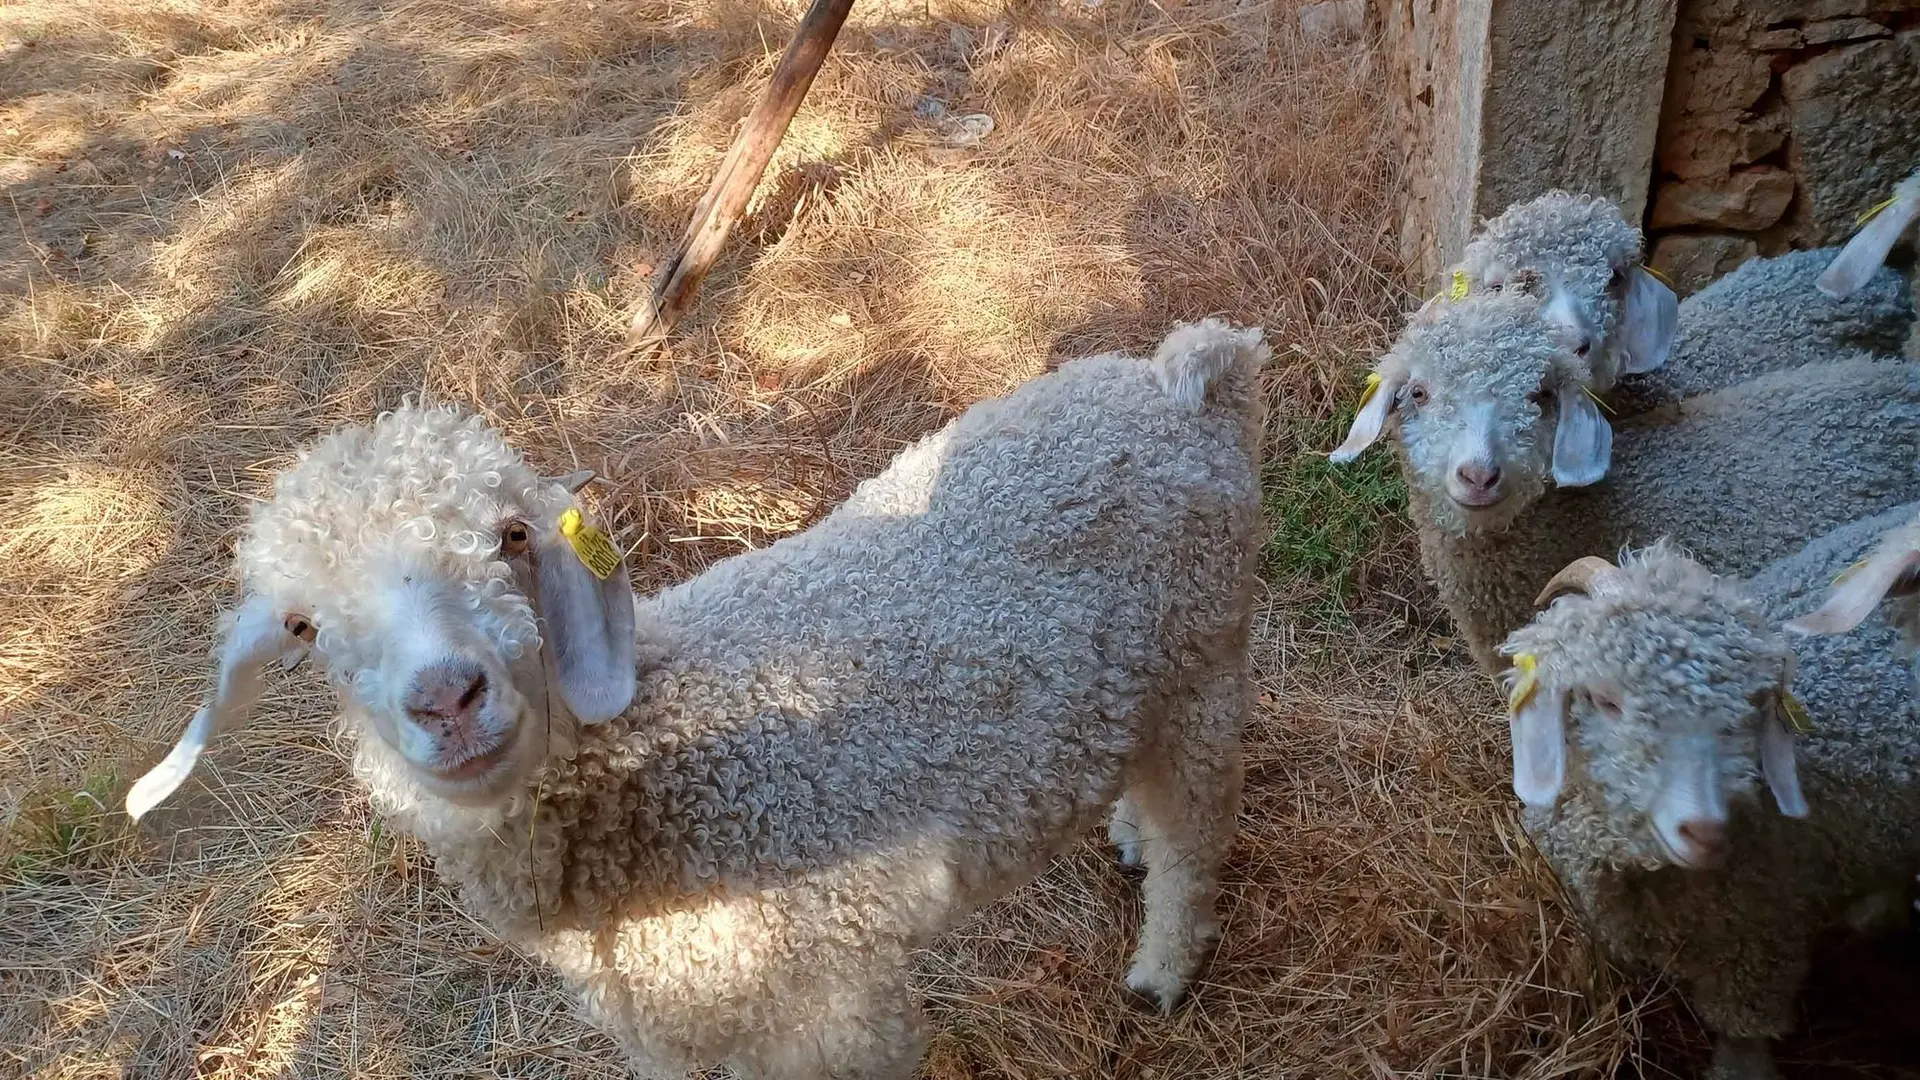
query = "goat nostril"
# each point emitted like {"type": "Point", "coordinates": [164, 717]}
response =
{"type": "Point", "coordinates": [447, 695]}
{"type": "Point", "coordinates": [474, 690]}
{"type": "Point", "coordinates": [1584, 348]}
{"type": "Point", "coordinates": [1482, 477]}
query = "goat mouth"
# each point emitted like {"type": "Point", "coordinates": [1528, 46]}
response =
{"type": "Point", "coordinates": [1478, 500]}
{"type": "Point", "coordinates": [477, 765]}
{"type": "Point", "coordinates": [1703, 859]}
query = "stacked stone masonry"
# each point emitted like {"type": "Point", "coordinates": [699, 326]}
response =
{"type": "Point", "coordinates": [1782, 122]}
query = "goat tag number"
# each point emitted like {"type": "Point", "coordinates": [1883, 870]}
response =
{"type": "Point", "coordinates": [1525, 685]}
{"type": "Point", "coordinates": [596, 552]}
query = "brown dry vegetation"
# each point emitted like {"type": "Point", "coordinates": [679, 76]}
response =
{"type": "Point", "coordinates": [233, 224]}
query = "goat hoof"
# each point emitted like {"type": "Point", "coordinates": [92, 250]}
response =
{"type": "Point", "coordinates": [1149, 1001]}
{"type": "Point", "coordinates": [1153, 992]}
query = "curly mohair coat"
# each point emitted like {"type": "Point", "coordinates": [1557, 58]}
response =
{"type": "Point", "coordinates": [1668, 663]}
{"type": "Point", "coordinates": [1585, 258]}
{"type": "Point", "coordinates": [1743, 474]}
{"type": "Point", "coordinates": [1767, 316]}
{"type": "Point", "coordinates": [841, 745]}
{"type": "Point", "coordinates": [1764, 316]}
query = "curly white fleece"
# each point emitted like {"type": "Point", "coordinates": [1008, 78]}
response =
{"type": "Point", "coordinates": [844, 743]}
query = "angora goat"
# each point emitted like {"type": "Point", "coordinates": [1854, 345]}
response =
{"type": "Point", "coordinates": [837, 747]}
{"type": "Point", "coordinates": [1512, 470]}
{"type": "Point", "coordinates": [1763, 317]}
{"type": "Point", "coordinates": [1648, 710]}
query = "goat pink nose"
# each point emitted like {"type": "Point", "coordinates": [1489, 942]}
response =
{"type": "Point", "coordinates": [1478, 476]}
{"type": "Point", "coordinates": [1702, 834]}
{"type": "Point", "coordinates": [447, 691]}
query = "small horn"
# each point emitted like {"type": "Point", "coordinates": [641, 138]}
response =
{"type": "Point", "coordinates": [575, 480]}
{"type": "Point", "coordinates": [1578, 576]}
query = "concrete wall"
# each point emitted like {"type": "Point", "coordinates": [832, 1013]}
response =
{"type": "Point", "coordinates": [1499, 100]}
{"type": "Point", "coordinates": [1436, 51]}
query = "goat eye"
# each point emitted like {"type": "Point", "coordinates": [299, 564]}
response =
{"type": "Point", "coordinates": [1607, 703]}
{"type": "Point", "coordinates": [1417, 393]}
{"type": "Point", "coordinates": [514, 538]}
{"type": "Point", "coordinates": [301, 627]}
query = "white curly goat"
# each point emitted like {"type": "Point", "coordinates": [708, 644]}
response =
{"type": "Point", "coordinates": [836, 747]}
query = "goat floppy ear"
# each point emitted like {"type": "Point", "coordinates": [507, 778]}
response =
{"type": "Point", "coordinates": [1776, 761]}
{"type": "Point", "coordinates": [588, 619]}
{"type": "Point", "coordinates": [1649, 319]}
{"type": "Point", "coordinates": [1860, 592]}
{"type": "Point", "coordinates": [1376, 404]}
{"type": "Point", "coordinates": [1582, 440]}
{"type": "Point", "coordinates": [1539, 726]}
{"type": "Point", "coordinates": [256, 634]}
{"type": "Point", "coordinates": [1868, 249]}
{"type": "Point", "coordinates": [1537, 716]}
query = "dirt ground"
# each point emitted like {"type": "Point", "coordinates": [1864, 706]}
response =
{"type": "Point", "coordinates": [234, 224]}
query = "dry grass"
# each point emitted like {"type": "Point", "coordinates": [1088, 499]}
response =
{"type": "Point", "coordinates": [232, 224]}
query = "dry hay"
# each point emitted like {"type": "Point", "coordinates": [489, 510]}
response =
{"type": "Point", "coordinates": [236, 224]}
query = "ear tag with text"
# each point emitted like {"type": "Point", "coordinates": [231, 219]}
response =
{"type": "Point", "coordinates": [596, 552]}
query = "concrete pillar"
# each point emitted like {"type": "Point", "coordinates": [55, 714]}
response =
{"type": "Point", "coordinates": [1500, 100]}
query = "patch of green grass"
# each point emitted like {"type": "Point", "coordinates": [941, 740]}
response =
{"type": "Point", "coordinates": [62, 830]}
{"type": "Point", "coordinates": [1326, 518]}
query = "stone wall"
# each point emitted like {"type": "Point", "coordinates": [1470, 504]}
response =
{"type": "Point", "coordinates": [1782, 122]}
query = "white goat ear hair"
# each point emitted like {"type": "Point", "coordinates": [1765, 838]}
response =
{"type": "Point", "coordinates": [1376, 402]}
{"type": "Point", "coordinates": [1858, 591]}
{"type": "Point", "coordinates": [1582, 440]}
{"type": "Point", "coordinates": [1776, 760]}
{"type": "Point", "coordinates": [586, 602]}
{"type": "Point", "coordinates": [1868, 249]}
{"type": "Point", "coordinates": [1649, 319]}
{"type": "Point", "coordinates": [1538, 726]}
{"type": "Point", "coordinates": [256, 636]}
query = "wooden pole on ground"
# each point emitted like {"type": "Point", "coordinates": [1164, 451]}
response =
{"type": "Point", "coordinates": [678, 279]}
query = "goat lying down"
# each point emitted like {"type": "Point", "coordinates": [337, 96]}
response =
{"type": "Point", "coordinates": [829, 750]}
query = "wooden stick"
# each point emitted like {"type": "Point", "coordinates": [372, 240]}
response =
{"type": "Point", "coordinates": [726, 199]}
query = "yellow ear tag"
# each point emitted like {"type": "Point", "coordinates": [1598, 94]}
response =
{"type": "Point", "coordinates": [1658, 276]}
{"type": "Point", "coordinates": [596, 552]}
{"type": "Point", "coordinates": [1523, 687]}
{"type": "Point", "coordinates": [1852, 569]}
{"type": "Point", "coordinates": [1874, 211]}
{"type": "Point", "coordinates": [1797, 717]}
{"type": "Point", "coordinates": [1372, 387]}
{"type": "Point", "coordinates": [1457, 291]}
